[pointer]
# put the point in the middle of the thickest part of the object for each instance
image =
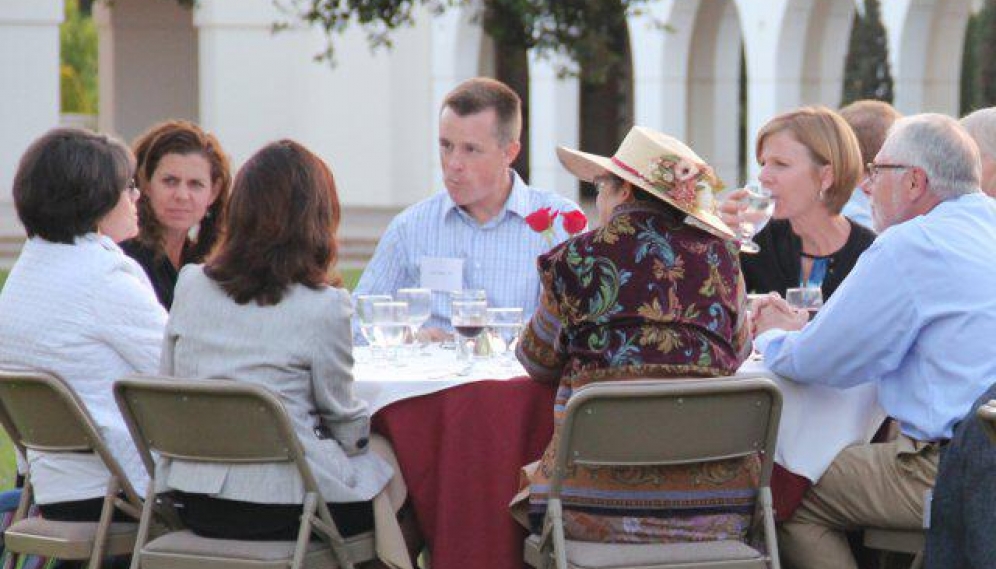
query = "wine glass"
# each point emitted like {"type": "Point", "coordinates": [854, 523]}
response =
{"type": "Point", "coordinates": [469, 318]}
{"type": "Point", "coordinates": [470, 294]}
{"type": "Point", "coordinates": [390, 322]}
{"type": "Point", "coordinates": [809, 298]}
{"type": "Point", "coordinates": [363, 305]}
{"type": "Point", "coordinates": [504, 325]}
{"type": "Point", "coordinates": [419, 309]}
{"type": "Point", "coordinates": [755, 211]}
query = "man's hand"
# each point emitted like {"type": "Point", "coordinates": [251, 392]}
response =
{"type": "Point", "coordinates": [432, 335]}
{"type": "Point", "coordinates": [772, 312]}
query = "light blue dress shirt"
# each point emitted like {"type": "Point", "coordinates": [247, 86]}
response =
{"type": "Point", "coordinates": [917, 314]}
{"type": "Point", "coordinates": [858, 209]}
{"type": "Point", "coordinates": [499, 255]}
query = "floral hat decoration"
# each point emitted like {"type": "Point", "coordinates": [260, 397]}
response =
{"type": "Point", "coordinates": [662, 166]}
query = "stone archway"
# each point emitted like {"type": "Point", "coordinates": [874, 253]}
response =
{"type": "Point", "coordinates": [926, 43]}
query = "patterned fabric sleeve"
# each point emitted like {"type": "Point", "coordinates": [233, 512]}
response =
{"type": "Point", "coordinates": [743, 332]}
{"type": "Point", "coordinates": [539, 351]}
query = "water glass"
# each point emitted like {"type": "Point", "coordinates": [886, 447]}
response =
{"type": "Point", "coordinates": [419, 308]}
{"type": "Point", "coordinates": [808, 298]}
{"type": "Point", "coordinates": [504, 326]}
{"type": "Point", "coordinates": [469, 319]}
{"type": "Point", "coordinates": [755, 211]}
{"type": "Point", "coordinates": [363, 307]}
{"type": "Point", "coordinates": [390, 323]}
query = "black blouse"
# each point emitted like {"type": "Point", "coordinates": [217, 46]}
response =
{"type": "Point", "coordinates": [778, 266]}
{"type": "Point", "coordinates": [159, 268]}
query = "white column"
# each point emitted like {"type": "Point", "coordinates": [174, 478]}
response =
{"type": "Point", "coordinates": [553, 121]}
{"type": "Point", "coordinates": [147, 65]}
{"type": "Point", "coordinates": [29, 87]}
{"type": "Point", "coordinates": [660, 64]}
{"type": "Point", "coordinates": [457, 42]}
{"type": "Point", "coordinates": [365, 116]}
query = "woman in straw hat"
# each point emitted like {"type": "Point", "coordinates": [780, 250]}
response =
{"type": "Point", "coordinates": [655, 291]}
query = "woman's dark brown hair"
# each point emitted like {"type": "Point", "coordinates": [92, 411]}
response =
{"type": "Point", "coordinates": [183, 138]}
{"type": "Point", "coordinates": [280, 229]}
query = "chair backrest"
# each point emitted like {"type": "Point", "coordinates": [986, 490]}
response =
{"type": "Point", "coordinates": [987, 416]}
{"type": "Point", "coordinates": [666, 422]}
{"type": "Point", "coordinates": [41, 413]}
{"type": "Point", "coordinates": [212, 421]}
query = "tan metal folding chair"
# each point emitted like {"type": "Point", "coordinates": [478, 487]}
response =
{"type": "Point", "coordinates": [664, 422]}
{"type": "Point", "coordinates": [228, 422]}
{"type": "Point", "coordinates": [41, 413]}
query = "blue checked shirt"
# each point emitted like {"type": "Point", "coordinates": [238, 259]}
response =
{"type": "Point", "coordinates": [499, 255]}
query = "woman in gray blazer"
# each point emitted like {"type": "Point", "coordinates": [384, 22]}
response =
{"type": "Point", "coordinates": [265, 310]}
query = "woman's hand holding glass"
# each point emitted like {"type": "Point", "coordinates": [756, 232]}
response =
{"type": "Point", "coordinates": [747, 210]}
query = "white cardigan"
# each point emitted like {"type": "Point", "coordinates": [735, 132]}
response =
{"type": "Point", "coordinates": [87, 313]}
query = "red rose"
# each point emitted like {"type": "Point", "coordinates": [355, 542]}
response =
{"type": "Point", "coordinates": [574, 221]}
{"type": "Point", "coordinates": [541, 219]}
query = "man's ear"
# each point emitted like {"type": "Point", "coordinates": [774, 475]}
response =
{"type": "Point", "coordinates": [511, 151]}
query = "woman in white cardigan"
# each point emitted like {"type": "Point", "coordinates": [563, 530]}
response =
{"type": "Point", "coordinates": [76, 306]}
{"type": "Point", "coordinates": [264, 310]}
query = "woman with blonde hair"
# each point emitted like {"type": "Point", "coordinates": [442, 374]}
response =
{"type": "Point", "coordinates": [810, 162]}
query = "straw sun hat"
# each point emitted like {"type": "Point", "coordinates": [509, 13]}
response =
{"type": "Point", "coordinates": [664, 167]}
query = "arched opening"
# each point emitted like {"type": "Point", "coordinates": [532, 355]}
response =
{"type": "Point", "coordinates": [511, 66]}
{"type": "Point", "coordinates": [714, 89]}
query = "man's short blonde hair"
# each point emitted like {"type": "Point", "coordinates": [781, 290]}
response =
{"type": "Point", "coordinates": [829, 140]}
{"type": "Point", "coordinates": [870, 120]}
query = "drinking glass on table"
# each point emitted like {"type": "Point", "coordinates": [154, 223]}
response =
{"type": "Point", "coordinates": [363, 305]}
{"type": "Point", "coordinates": [465, 295]}
{"type": "Point", "coordinates": [504, 326]}
{"type": "Point", "coordinates": [390, 322]}
{"type": "Point", "coordinates": [755, 212]}
{"type": "Point", "coordinates": [808, 298]}
{"type": "Point", "coordinates": [419, 309]}
{"type": "Point", "coordinates": [469, 318]}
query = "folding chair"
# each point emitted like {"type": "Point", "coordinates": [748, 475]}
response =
{"type": "Point", "coordinates": [664, 422]}
{"type": "Point", "coordinates": [227, 422]}
{"type": "Point", "coordinates": [41, 413]}
{"type": "Point", "coordinates": [908, 542]}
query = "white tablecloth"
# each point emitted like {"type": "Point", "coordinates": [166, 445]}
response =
{"type": "Point", "coordinates": [817, 422]}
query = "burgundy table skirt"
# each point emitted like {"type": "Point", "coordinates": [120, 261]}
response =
{"type": "Point", "coordinates": [460, 450]}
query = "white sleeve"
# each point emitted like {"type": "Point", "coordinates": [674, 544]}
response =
{"type": "Point", "coordinates": [129, 319]}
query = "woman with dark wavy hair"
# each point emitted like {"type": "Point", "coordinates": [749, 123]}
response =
{"type": "Point", "coordinates": [184, 176]}
{"type": "Point", "coordinates": [265, 310]}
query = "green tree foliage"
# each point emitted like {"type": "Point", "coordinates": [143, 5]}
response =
{"type": "Point", "coordinates": [968, 67]}
{"type": "Point", "coordinates": [866, 70]}
{"type": "Point", "coordinates": [583, 30]}
{"type": "Point", "coordinates": [984, 92]}
{"type": "Point", "coordinates": [78, 57]}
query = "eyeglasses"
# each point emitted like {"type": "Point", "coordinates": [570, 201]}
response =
{"type": "Point", "coordinates": [132, 189]}
{"type": "Point", "coordinates": [605, 182]}
{"type": "Point", "coordinates": [873, 169]}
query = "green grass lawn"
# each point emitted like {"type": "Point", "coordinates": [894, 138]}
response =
{"type": "Point", "coordinates": [7, 466]}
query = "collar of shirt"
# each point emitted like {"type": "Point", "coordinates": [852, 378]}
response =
{"type": "Point", "coordinates": [517, 203]}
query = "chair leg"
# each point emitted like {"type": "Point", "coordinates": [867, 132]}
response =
{"type": "Point", "coordinates": [143, 525]}
{"type": "Point", "coordinates": [103, 527]}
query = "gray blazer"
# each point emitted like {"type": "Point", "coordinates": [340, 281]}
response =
{"type": "Point", "coordinates": [301, 349]}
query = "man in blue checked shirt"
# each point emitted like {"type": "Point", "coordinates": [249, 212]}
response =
{"type": "Point", "coordinates": [473, 235]}
{"type": "Point", "coordinates": [916, 316]}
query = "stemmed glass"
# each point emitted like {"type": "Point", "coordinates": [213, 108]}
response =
{"type": "Point", "coordinates": [469, 319]}
{"type": "Point", "coordinates": [419, 309]}
{"type": "Point", "coordinates": [755, 211]}
{"type": "Point", "coordinates": [364, 315]}
{"type": "Point", "coordinates": [390, 322]}
{"type": "Point", "coordinates": [470, 294]}
{"type": "Point", "coordinates": [808, 298]}
{"type": "Point", "coordinates": [504, 325]}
